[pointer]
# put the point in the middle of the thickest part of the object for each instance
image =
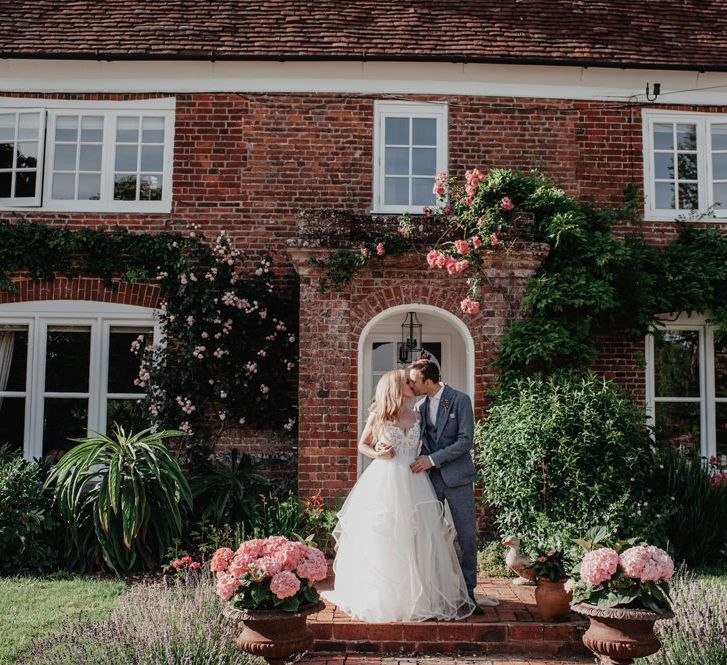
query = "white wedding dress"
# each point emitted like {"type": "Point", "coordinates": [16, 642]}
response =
{"type": "Point", "coordinates": [395, 556]}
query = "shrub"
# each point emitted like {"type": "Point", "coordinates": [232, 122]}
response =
{"type": "Point", "coordinates": [152, 624]}
{"type": "Point", "coordinates": [696, 509]}
{"type": "Point", "coordinates": [30, 533]}
{"type": "Point", "coordinates": [121, 496]}
{"type": "Point", "coordinates": [562, 454]}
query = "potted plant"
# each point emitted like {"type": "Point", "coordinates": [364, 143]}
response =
{"type": "Point", "coordinates": [624, 590]}
{"type": "Point", "coordinates": [268, 585]}
{"type": "Point", "coordinates": [551, 596]}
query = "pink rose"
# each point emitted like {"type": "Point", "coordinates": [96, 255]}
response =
{"type": "Point", "coordinates": [380, 249]}
{"type": "Point", "coordinates": [451, 266]}
{"type": "Point", "coordinates": [599, 565]}
{"type": "Point", "coordinates": [364, 251]}
{"type": "Point", "coordinates": [221, 559]}
{"type": "Point", "coordinates": [462, 246]}
{"type": "Point", "coordinates": [469, 306]}
{"type": "Point", "coordinates": [476, 241]}
{"type": "Point", "coordinates": [506, 204]}
{"type": "Point", "coordinates": [432, 257]}
{"type": "Point", "coordinates": [494, 240]}
{"type": "Point", "coordinates": [284, 584]}
{"type": "Point", "coordinates": [448, 210]}
{"type": "Point", "coordinates": [428, 212]}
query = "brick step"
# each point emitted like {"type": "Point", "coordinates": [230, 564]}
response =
{"type": "Point", "coordinates": [514, 627]}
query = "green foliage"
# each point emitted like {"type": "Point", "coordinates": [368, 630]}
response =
{"type": "Point", "coordinates": [226, 491]}
{"type": "Point", "coordinates": [257, 595]}
{"type": "Point", "coordinates": [561, 454]}
{"type": "Point", "coordinates": [29, 529]}
{"type": "Point", "coordinates": [695, 511]}
{"type": "Point", "coordinates": [122, 496]}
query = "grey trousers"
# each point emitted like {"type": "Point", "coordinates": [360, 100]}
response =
{"type": "Point", "coordinates": [461, 502]}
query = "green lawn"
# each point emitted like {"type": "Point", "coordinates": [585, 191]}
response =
{"type": "Point", "coordinates": [36, 607]}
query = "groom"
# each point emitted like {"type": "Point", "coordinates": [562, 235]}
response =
{"type": "Point", "coordinates": [447, 434]}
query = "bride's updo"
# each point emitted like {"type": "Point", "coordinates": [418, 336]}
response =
{"type": "Point", "coordinates": [388, 400]}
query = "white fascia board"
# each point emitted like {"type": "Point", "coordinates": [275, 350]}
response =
{"type": "Point", "coordinates": [391, 78]}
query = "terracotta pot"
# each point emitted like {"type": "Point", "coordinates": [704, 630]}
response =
{"type": "Point", "coordinates": [271, 634]}
{"type": "Point", "coordinates": [618, 635]}
{"type": "Point", "coordinates": [553, 600]}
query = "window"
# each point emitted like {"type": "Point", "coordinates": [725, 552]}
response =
{"type": "Point", "coordinates": [685, 163]}
{"type": "Point", "coordinates": [67, 370]}
{"type": "Point", "coordinates": [410, 147]}
{"type": "Point", "coordinates": [687, 386]}
{"type": "Point", "coordinates": [86, 156]}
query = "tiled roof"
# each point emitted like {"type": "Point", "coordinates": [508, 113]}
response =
{"type": "Point", "coordinates": [668, 33]}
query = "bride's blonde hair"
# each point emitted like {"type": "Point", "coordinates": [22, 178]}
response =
{"type": "Point", "coordinates": [388, 401]}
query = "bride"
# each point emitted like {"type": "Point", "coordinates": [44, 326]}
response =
{"type": "Point", "coordinates": [395, 556]}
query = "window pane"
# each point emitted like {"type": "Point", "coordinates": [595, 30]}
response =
{"type": "Point", "coordinates": [7, 126]}
{"type": "Point", "coordinates": [90, 159]}
{"type": "Point", "coordinates": [6, 155]}
{"type": "Point", "coordinates": [689, 196]}
{"type": "Point", "coordinates": [89, 187]}
{"type": "Point", "coordinates": [152, 158]}
{"type": "Point", "coordinates": [6, 180]}
{"type": "Point", "coordinates": [67, 128]}
{"type": "Point", "coordinates": [677, 425]}
{"type": "Point", "coordinates": [13, 359]}
{"type": "Point", "coordinates": [687, 167]}
{"type": "Point", "coordinates": [664, 193]}
{"type": "Point", "coordinates": [397, 131]}
{"type": "Point", "coordinates": [664, 165]}
{"type": "Point", "coordinates": [686, 137]}
{"type": "Point", "coordinates": [28, 126]}
{"type": "Point", "coordinates": [424, 161]}
{"type": "Point", "coordinates": [25, 183]}
{"type": "Point", "coordinates": [127, 130]}
{"type": "Point", "coordinates": [63, 418]}
{"type": "Point", "coordinates": [722, 435]}
{"type": "Point", "coordinates": [719, 192]}
{"type": "Point", "coordinates": [125, 188]}
{"type": "Point", "coordinates": [12, 421]}
{"type": "Point", "coordinates": [676, 363]}
{"type": "Point", "coordinates": [64, 158]}
{"type": "Point", "coordinates": [396, 191]}
{"type": "Point", "coordinates": [92, 129]}
{"type": "Point", "coordinates": [126, 157]}
{"type": "Point", "coordinates": [27, 155]}
{"type": "Point", "coordinates": [152, 130]}
{"type": "Point", "coordinates": [720, 363]}
{"type": "Point", "coordinates": [123, 364]}
{"type": "Point", "coordinates": [396, 161]}
{"type": "Point", "coordinates": [131, 414]}
{"type": "Point", "coordinates": [663, 136]}
{"type": "Point", "coordinates": [719, 166]}
{"type": "Point", "coordinates": [150, 187]}
{"type": "Point", "coordinates": [421, 192]}
{"type": "Point", "coordinates": [719, 137]}
{"type": "Point", "coordinates": [424, 131]}
{"type": "Point", "coordinates": [382, 357]}
{"type": "Point", "coordinates": [64, 186]}
{"type": "Point", "coordinates": [67, 359]}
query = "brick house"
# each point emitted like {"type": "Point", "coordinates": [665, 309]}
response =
{"type": "Point", "coordinates": [237, 116]}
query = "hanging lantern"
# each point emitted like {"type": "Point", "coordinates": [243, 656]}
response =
{"type": "Point", "coordinates": [411, 338]}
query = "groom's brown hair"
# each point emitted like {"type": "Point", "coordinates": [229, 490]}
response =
{"type": "Point", "coordinates": [428, 369]}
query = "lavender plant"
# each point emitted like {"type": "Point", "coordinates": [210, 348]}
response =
{"type": "Point", "coordinates": [154, 624]}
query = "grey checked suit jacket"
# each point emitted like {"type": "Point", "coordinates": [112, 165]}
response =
{"type": "Point", "coordinates": [450, 444]}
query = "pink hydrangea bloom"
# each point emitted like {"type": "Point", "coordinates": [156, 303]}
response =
{"type": "Point", "coordinates": [470, 306]}
{"type": "Point", "coordinates": [599, 565]}
{"type": "Point", "coordinates": [239, 565]}
{"type": "Point", "coordinates": [314, 566]}
{"type": "Point", "coordinates": [221, 559]}
{"type": "Point", "coordinates": [226, 585]}
{"type": "Point", "coordinates": [649, 563]}
{"type": "Point", "coordinates": [273, 543]}
{"type": "Point", "coordinates": [268, 565]}
{"type": "Point", "coordinates": [290, 555]}
{"type": "Point", "coordinates": [252, 548]}
{"type": "Point", "coordinates": [284, 584]}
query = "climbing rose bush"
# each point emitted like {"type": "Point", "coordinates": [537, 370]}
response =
{"type": "Point", "coordinates": [269, 573]}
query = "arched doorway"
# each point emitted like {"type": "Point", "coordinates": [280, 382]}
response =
{"type": "Point", "coordinates": [444, 336]}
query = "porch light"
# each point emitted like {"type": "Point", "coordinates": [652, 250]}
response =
{"type": "Point", "coordinates": [411, 338]}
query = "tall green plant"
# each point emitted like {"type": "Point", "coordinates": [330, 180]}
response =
{"type": "Point", "coordinates": [121, 495]}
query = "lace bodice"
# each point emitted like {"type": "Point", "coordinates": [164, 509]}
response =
{"type": "Point", "coordinates": [406, 443]}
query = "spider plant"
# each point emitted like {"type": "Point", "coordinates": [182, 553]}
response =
{"type": "Point", "coordinates": [121, 494]}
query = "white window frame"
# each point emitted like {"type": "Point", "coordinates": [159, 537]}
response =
{"type": "Point", "coordinates": [703, 121]}
{"type": "Point", "coordinates": [100, 318]}
{"type": "Point", "coordinates": [707, 399]}
{"type": "Point", "coordinates": [386, 109]}
{"type": "Point", "coordinates": [110, 111]}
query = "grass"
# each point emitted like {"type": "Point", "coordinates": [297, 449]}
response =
{"type": "Point", "coordinates": [37, 607]}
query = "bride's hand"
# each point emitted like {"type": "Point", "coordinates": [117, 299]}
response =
{"type": "Point", "coordinates": [385, 451]}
